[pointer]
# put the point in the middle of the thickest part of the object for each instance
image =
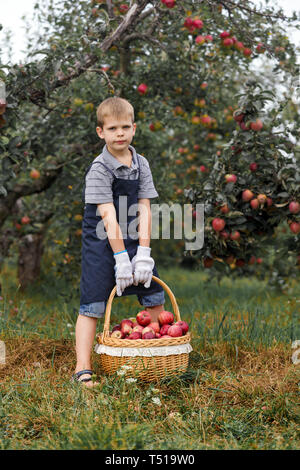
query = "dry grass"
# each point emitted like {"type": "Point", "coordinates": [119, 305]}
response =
{"type": "Point", "coordinates": [241, 390]}
{"type": "Point", "coordinates": [268, 370]}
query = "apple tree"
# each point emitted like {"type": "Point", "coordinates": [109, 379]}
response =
{"type": "Point", "coordinates": [182, 65]}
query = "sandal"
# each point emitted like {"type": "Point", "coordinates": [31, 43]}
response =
{"type": "Point", "coordinates": [77, 375]}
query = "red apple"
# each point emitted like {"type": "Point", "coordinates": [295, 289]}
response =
{"type": "Point", "coordinates": [25, 220]}
{"type": "Point", "coordinates": [262, 198]}
{"type": "Point", "coordinates": [269, 201]}
{"type": "Point", "coordinates": [244, 127]}
{"type": "Point", "coordinates": [294, 207]}
{"type": "Point", "coordinates": [149, 335]}
{"type": "Point", "coordinates": [169, 3]}
{"type": "Point", "coordinates": [123, 7]}
{"type": "Point", "coordinates": [183, 325]}
{"type": "Point", "coordinates": [218, 224]}
{"type": "Point", "coordinates": [200, 39]}
{"type": "Point", "coordinates": [235, 235]}
{"type": "Point", "coordinates": [202, 168]}
{"type": "Point", "coordinates": [247, 52]}
{"type": "Point", "coordinates": [116, 327]}
{"type": "Point", "coordinates": [157, 335]}
{"type": "Point", "coordinates": [239, 45]}
{"type": "Point", "coordinates": [227, 42]}
{"type": "Point", "coordinates": [247, 195]}
{"type": "Point", "coordinates": [260, 48]}
{"type": "Point", "coordinates": [165, 317]}
{"type": "Point", "coordinates": [253, 166]}
{"type": "Point", "coordinates": [259, 260]}
{"type": "Point", "coordinates": [224, 234]}
{"type": "Point", "coordinates": [166, 336]}
{"type": "Point", "coordinates": [224, 209]}
{"type": "Point", "coordinates": [142, 89]}
{"type": "Point", "coordinates": [126, 327]}
{"type": "Point", "coordinates": [295, 227]}
{"type": "Point", "coordinates": [147, 329]}
{"type": "Point", "coordinates": [117, 334]}
{"type": "Point", "coordinates": [138, 328]}
{"type": "Point", "coordinates": [188, 22]}
{"type": "Point", "coordinates": [257, 125]}
{"type": "Point", "coordinates": [198, 23]}
{"type": "Point", "coordinates": [35, 174]}
{"type": "Point", "coordinates": [126, 321]}
{"type": "Point", "coordinates": [135, 335]}
{"type": "Point", "coordinates": [175, 331]}
{"type": "Point", "coordinates": [143, 318]}
{"type": "Point", "coordinates": [254, 203]}
{"type": "Point", "coordinates": [238, 115]}
{"type": "Point", "coordinates": [224, 34]}
{"type": "Point", "coordinates": [230, 178]}
{"type": "Point", "coordinates": [155, 326]}
{"type": "Point", "coordinates": [164, 329]}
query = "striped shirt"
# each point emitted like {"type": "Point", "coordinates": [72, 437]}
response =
{"type": "Point", "coordinates": [98, 181]}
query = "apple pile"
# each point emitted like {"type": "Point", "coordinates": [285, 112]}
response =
{"type": "Point", "coordinates": [142, 327]}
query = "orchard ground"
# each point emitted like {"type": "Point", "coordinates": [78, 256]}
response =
{"type": "Point", "coordinates": [240, 390]}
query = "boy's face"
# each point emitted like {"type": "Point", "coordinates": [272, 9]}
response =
{"type": "Point", "coordinates": [117, 133]}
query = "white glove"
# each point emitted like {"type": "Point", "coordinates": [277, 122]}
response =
{"type": "Point", "coordinates": [142, 265]}
{"type": "Point", "coordinates": [123, 271]}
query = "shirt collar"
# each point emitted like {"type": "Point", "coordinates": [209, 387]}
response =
{"type": "Point", "coordinates": [110, 159]}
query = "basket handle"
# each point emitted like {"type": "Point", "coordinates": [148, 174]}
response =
{"type": "Point", "coordinates": [113, 292]}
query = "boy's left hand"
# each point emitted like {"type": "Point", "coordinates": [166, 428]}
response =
{"type": "Point", "coordinates": [142, 266]}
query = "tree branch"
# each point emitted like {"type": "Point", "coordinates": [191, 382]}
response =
{"type": "Point", "coordinates": [230, 5]}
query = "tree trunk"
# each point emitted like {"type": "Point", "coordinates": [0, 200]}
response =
{"type": "Point", "coordinates": [29, 262]}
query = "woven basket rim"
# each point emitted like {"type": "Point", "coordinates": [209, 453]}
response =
{"type": "Point", "coordinates": [143, 343]}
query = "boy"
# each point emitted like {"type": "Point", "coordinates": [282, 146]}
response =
{"type": "Point", "coordinates": [118, 184]}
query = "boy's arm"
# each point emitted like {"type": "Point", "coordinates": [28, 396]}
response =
{"type": "Point", "coordinates": [142, 262]}
{"type": "Point", "coordinates": [114, 233]}
{"type": "Point", "coordinates": [145, 221]}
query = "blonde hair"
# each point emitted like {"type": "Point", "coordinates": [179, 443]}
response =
{"type": "Point", "coordinates": [115, 107]}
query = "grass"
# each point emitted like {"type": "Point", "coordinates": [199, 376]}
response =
{"type": "Point", "coordinates": [241, 390]}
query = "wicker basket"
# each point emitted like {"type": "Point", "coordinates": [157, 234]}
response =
{"type": "Point", "coordinates": [148, 360]}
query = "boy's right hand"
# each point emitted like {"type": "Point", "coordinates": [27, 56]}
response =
{"type": "Point", "coordinates": [123, 271]}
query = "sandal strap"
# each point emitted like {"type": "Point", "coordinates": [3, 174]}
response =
{"type": "Point", "coordinates": [82, 372]}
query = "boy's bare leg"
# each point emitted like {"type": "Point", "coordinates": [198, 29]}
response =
{"type": "Point", "coordinates": [85, 334]}
{"type": "Point", "coordinates": [155, 311]}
